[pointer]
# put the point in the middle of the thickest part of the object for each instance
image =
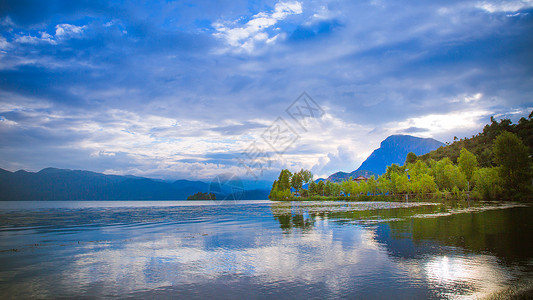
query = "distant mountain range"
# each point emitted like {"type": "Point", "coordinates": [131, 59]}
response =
{"type": "Point", "coordinates": [393, 150]}
{"type": "Point", "coordinates": [61, 184]}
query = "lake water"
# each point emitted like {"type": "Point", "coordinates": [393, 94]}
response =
{"type": "Point", "coordinates": [263, 249]}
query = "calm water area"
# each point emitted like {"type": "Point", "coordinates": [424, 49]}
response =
{"type": "Point", "coordinates": [264, 249]}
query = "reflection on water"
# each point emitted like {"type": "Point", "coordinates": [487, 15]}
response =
{"type": "Point", "coordinates": [265, 249]}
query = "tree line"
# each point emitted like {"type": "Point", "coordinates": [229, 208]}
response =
{"type": "Point", "coordinates": [507, 176]}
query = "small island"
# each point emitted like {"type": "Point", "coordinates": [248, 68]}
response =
{"type": "Point", "coordinates": [202, 196]}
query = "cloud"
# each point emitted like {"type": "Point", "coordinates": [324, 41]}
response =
{"type": "Point", "coordinates": [28, 39]}
{"type": "Point", "coordinates": [4, 44]}
{"type": "Point", "coordinates": [342, 160]}
{"type": "Point", "coordinates": [164, 86]}
{"type": "Point", "coordinates": [437, 125]}
{"type": "Point", "coordinates": [64, 31]}
{"type": "Point", "coordinates": [246, 36]}
{"type": "Point", "coordinates": [504, 6]}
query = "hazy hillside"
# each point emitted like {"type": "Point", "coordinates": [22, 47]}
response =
{"type": "Point", "coordinates": [60, 184]}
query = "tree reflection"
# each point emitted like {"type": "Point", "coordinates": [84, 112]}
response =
{"type": "Point", "coordinates": [292, 216]}
{"type": "Point", "coordinates": [411, 232]}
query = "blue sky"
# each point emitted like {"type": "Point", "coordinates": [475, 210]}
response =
{"type": "Point", "coordinates": [181, 89]}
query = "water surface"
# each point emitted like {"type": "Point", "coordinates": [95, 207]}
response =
{"type": "Point", "coordinates": [263, 249]}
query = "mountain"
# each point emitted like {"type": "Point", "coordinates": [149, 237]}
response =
{"type": "Point", "coordinates": [61, 184]}
{"type": "Point", "coordinates": [394, 149]}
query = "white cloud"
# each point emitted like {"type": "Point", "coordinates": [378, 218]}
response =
{"type": "Point", "coordinates": [65, 31]}
{"type": "Point", "coordinates": [246, 36]}
{"type": "Point", "coordinates": [4, 44]}
{"type": "Point", "coordinates": [467, 98]}
{"type": "Point", "coordinates": [29, 39]}
{"type": "Point", "coordinates": [6, 122]}
{"type": "Point", "coordinates": [504, 6]}
{"type": "Point", "coordinates": [473, 98]}
{"type": "Point", "coordinates": [440, 124]}
{"type": "Point", "coordinates": [342, 160]}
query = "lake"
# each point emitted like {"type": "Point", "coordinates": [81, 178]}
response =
{"type": "Point", "coordinates": [264, 249]}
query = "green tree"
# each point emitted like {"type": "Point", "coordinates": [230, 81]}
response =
{"type": "Point", "coordinates": [384, 184]}
{"type": "Point", "coordinates": [394, 168]}
{"type": "Point", "coordinates": [284, 180]}
{"type": "Point", "coordinates": [372, 185]}
{"type": "Point", "coordinates": [426, 184]}
{"type": "Point", "coordinates": [273, 191]}
{"type": "Point", "coordinates": [336, 190]}
{"type": "Point", "coordinates": [487, 183]}
{"type": "Point", "coordinates": [346, 186]}
{"type": "Point", "coordinates": [455, 178]}
{"type": "Point", "coordinates": [327, 188]}
{"type": "Point", "coordinates": [401, 183]}
{"type": "Point", "coordinates": [307, 176]}
{"type": "Point", "coordinates": [411, 158]}
{"type": "Point", "coordinates": [362, 187]}
{"type": "Point", "coordinates": [447, 175]}
{"type": "Point", "coordinates": [297, 181]}
{"type": "Point", "coordinates": [467, 163]}
{"type": "Point", "coordinates": [356, 188]}
{"type": "Point", "coordinates": [312, 188]}
{"type": "Point", "coordinates": [321, 188]}
{"type": "Point", "coordinates": [417, 169]}
{"type": "Point", "coordinates": [485, 158]}
{"type": "Point", "coordinates": [512, 157]}
{"type": "Point", "coordinates": [394, 183]}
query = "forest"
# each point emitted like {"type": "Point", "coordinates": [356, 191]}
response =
{"type": "Point", "coordinates": [496, 164]}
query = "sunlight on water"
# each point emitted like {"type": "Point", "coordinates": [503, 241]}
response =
{"type": "Point", "coordinates": [262, 249]}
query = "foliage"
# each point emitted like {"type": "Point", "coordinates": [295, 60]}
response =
{"type": "Point", "coordinates": [313, 189]}
{"type": "Point", "coordinates": [410, 158]}
{"type": "Point", "coordinates": [320, 188]}
{"type": "Point", "coordinates": [487, 183]}
{"type": "Point", "coordinates": [467, 163]}
{"type": "Point", "coordinates": [495, 164]}
{"type": "Point", "coordinates": [511, 155]}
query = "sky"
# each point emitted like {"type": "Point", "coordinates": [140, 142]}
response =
{"type": "Point", "coordinates": [193, 89]}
